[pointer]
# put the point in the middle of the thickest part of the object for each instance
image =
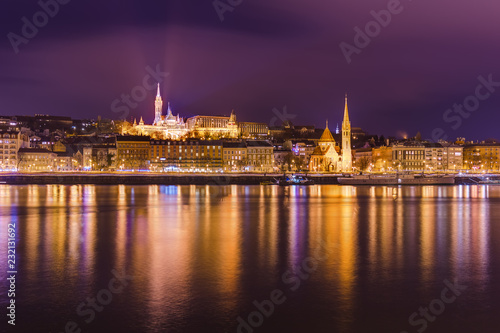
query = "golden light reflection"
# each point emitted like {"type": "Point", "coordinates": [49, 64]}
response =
{"type": "Point", "coordinates": [33, 241]}
{"type": "Point", "coordinates": [185, 241]}
{"type": "Point", "coordinates": [296, 232]}
{"type": "Point", "coordinates": [229, 251]}
{"type": "Point", "coordinates": [165, 237]}
{"type": "Point", "coordinates": [88, 237]}
{"type": "Point", "coordinates": [33, 196]}
{"type": "Point", "coordinates": [122, 195]}
{"type": "Point", "coordinates": [428, 239]}
{"type": "Point", "coordinates": [267, 230]}
{"type": "Point", "coordinates": [341, 219]}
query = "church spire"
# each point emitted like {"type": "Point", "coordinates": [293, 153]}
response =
{"type": "Point", "coordinates": [346, 112]}
{"type": "Point", "coordinates": [346, 141]}
{"type": "Point", "coordinates": [158, 107]}
{"type": "Point", "coordinates": [169, 110]}
{"type": "Point", "coordinates": [327, 123]}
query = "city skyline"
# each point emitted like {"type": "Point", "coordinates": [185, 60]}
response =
{"type": "Point", "coordinates": [259, 58]}
{"type": "Point", "coordinates": [250, 166]}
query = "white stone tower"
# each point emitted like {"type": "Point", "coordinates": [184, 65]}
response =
{"type": "Point", "coordinates": [158, 107]}
{"type": "Point", "coordinates": [346, 141]}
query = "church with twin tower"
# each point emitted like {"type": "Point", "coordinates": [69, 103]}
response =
{"type": "Point", "coordinates": [328, 156]}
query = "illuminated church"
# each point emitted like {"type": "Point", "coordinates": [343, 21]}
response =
{"type": "Point", "coordinates": [204, 127]}
{"type": "Point", "coordinates": [167, 127]}
{"type": "Point", "coordinates": [327, 156]}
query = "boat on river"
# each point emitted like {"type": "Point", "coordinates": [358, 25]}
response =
{"type": "Point", "coordinates": [291, 180]}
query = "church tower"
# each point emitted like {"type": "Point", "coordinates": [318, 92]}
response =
{"type": "Point", "coordinates": [232, 125]}
{"type": "Point", "coordinates": [158, 107]}
{"type": "Point", "coordinates": [346, 141]}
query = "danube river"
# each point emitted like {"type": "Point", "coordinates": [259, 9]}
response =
{"type": "Point", "coordinates": [252, 258]}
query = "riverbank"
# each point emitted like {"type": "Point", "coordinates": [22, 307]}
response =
{"type": "Point", "coordinates": [148, 179]}
{"type": "Point", "coordinates": [179, 179]}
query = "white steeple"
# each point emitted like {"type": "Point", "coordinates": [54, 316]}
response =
{"type": "Point", "coordinates": [158, 107]}
{"type": "Point", "coordinates": [346, 141]}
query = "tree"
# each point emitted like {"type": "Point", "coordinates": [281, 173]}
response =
{"type": "Point", "coordinates": [240, 164]}
{"type": "Point", "coordinates": [158, 135]}
{"type": "Point", "coordinates": [109, 160]}
{"type": "Point", "coordinates": [20, 162]}
{"type": "Point", "coordinates": [363, 163]}
{"type": "Point", "coordinates": [288, 161]}
{"type": "Point", "coordinates": [397, 164]}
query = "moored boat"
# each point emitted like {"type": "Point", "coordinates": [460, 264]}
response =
{"type": "Point", "coordinates": [489, 181]}
{"type": "Point", "coordinates": [301, 180]}
{"type": "Point", "coordinates": [293, 180]}
{"type": "Point", "coordinates": [397, 179]}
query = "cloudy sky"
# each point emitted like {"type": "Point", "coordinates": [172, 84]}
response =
{"type": "Point", "coordinates": [263, 56]}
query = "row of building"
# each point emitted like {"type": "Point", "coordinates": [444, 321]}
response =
{"type": "Point", "coordinates": [221, 144]}
{"type": "Point", "coordinates": [141, 153]}
{"type": "Point", "coordinates": [324, 155]}
{"type": "Point", "coordinates": [424, 156]}
{"type": "Point", "coordinates": [202, 143]}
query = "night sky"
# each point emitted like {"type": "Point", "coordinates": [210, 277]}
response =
{"type": "Point", "coordinates": [264, 55]}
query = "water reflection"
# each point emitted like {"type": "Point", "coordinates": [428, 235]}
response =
{"type": "Point", "coordinates": [202, 251]}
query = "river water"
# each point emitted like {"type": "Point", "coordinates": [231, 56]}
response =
{"type": "Point", "coordinates": [252, 258]}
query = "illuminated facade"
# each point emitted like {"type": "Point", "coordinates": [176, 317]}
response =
{"type": "Point", "coordinates": [327, 156]}
{"type": "Point", "coordinates": [453, 157]}
{"type": "Point", "coordinates": [382, 159]}
{"type": "Point", "coordinates": [409, 156]}
{"type": "Point", "coordinates": [10, 142]}
{"type": "Point", "coordinates": [132, 152]}
{"type": "Point", "coordinates": [170, 127]}
{"type": "Point", "coordinates": [234, 155]}
{"type": "Point", "coordinates": [165, 127]}
{"type": "Point", "coordinates": [219, 127]}
{"type": "Point", "coordinates": [189, 155]}
{"type": "Point", "coordinates": [253, 130]}
{"type": "Point", "coordinates": [426, 156]}
{"type": "Point", "coordinates": [207, 127]}
{"type": "Point", "coordinates": [481, 156]}
{"type": "Point", "coordinates": [36, 159]}
{"type": "Point", "coordinates": [260, 156]}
